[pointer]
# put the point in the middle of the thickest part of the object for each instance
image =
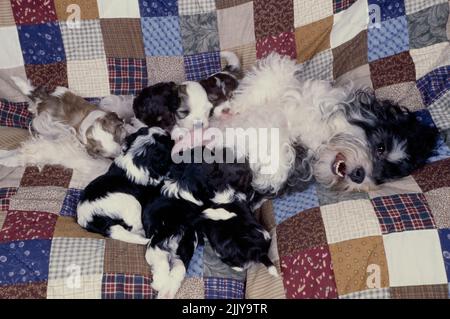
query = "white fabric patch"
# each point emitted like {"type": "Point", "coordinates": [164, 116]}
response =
{"type": "Point", "coordinates": [348, 23]}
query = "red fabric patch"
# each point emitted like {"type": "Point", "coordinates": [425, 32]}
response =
{"type": "Point", "coordinates": [273, 17]}
{"type": "Point", "coordinates": [22, 225]}
{"type": "Point", "coordinates": [434, 175]}
{"type": "Point", "coordinates": [309, 274]}
{"type": "Point", "coordinates": [283, 44]}
{"type": "Point", "coordinates": [49, 75]}
{"type": "Point", "coordinates": [49, 176]}
{"type": "Point", "coordinates": [33, 12]}
{"type": "Point", "coordinates": [395, 69]}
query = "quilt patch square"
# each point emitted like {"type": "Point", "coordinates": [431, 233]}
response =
{"type": "Point", "coordinates": [439, 112]}
{"type": "Point", "coordinates": [6, 14]}
{"type": "Point", "coordinates": [444, 236]}
{"type": "Point", "coordinates": [273, 17]}
{"type": "Point", "coordinates": [289, 205]}
{"type": "Point", "coordinates": [236, 27]}
{"type": "Point", "coordinates": [392, 70]}
{"type": "Point", "coordinates": [118, 9]}
{"type": "Point", "coordinates": [390, 38]}
{"type": "Point", "coordinates": [320, 67]}
{"type": "Point", "coordinates": [414, 258]}
{"type": "Point", "coordinates": [283, 44]}
{"type": "Point", "coordinates": [199, 66]}
{"type": "Point", "coordinates": [122, 38]}
{"type": "Point", "coordinates": [420, 292]}
{"type": "Point", "coordinates": [158, 8]}
{"type": "Point", "coordinates": [195, 268]}
{"type": "Point", "coordinates": [374, 293]}
{"type": "Point", "coordinates": [14, 114]}
{"type": "Point", "coordinates": [428, 26]}
{"type": "Point", "coordinates": [406, 94]}
{"type": "Point", "coordinates": [49, 175]}
{"type": "Point", "coordinates": [69, 228]}
{"type": "Point", "coordinates": [405, 185]}
{"type": "Point", "coordinates": [89, 78]}
{"type": "Point", "coordinates": [349, 23]}
{"type": "Point", "coordinates": [25, 225]}
{"type": "Point", "coordinates": [359, 264]}
{"type": "Point", "coordinates": [309, 274]}
{"type": "Point", "coordinates": [83, 42]}
{"type": "Point", "coordinates": [5, 194]}
{"type": "Point", "coordinates": [349, 220]}
{"type": "Point", "coordinates": [190, 7]}
{"type": "Point", "coordinates": [162, 36]}
{"type": "Point", "coordinates": [69, 207]}
{"type": "Point", "coordinates": [83, 255]}
{"type": "Point", "coordinates": [50, 75]}
{"type": "Point", "coordinates": [35, 290]}
{"type": "Point", "coordinates": [38, 198]}
{"type": "Point", "coordinates": [339, 5]}
{"type": "Point", "coordinates": [75, 286]}
{"type": "Point", "coordinates": [192, 288]}
{"type": "Point", "coordinates": [433, 176]}
{"type": "Point", "coordinates": [24, 262]}
{"type": "Point", "coordinates": [165, 68]}
{"type": "Point", "coordinates": [308, 11]}
{"type": "Point", "coordinates": [439, 202]}
{"type": "Point", "coordinates": [125, 258]}
{"type": "Point", "coordinates": [313, 38]}
{"type": "Point", "coordinates": [431, 57]}
{"type": "Point", "coordinates": [223, 288]}
{"type": "Point", "coordinates": [2, 219]}
{"type": "Point", "coordinates": [127, 76]}
{"type": "Point", "coordinates": [350, 55]}
{"type": "Point", "coordinates": [413, 6]}
{"type": "Point", "coordinates": [34, 12]}
{"type": "Point", "coordinates": [199, 33]}
{"type": "Point", "coordinates": [127, 286]}
{"type": "Point", "coordinates": [389, 9]}
{"type": "Point", "coordinates": [398, 213]}
{"type": "Point", "coordinates": [246, 54]}
{"type": "Point", "coordinates": [301, 232]}
{"type": "Point", "coordinates": [66, 9]}
{"type": "Point", "coordinates": [42, 43]}
{"type": "Point", "coordinates": [11, 54]}
{"type": "Point", "coordinates": [434, 85]}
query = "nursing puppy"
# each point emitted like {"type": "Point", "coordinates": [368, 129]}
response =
{"type": "Point", "coordinates": [111, 205]}
{"type": "Point", "coordinates": [168, 104]}
{"type": "Point", "coordinates": [100, 131]}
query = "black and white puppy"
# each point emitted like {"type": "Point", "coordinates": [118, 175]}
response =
{"type": "Point", "coordinates": [111, 204]}
{"type": "Point", "coordinates": [168, 104]}
{"type": "Point", "coordinates": [398, 142]}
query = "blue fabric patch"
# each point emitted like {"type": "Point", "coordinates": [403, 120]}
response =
{"type": "Point", "coordinates": [24, 262]}
{"type": "Point", "coordinates": [158, 8]}
{"type": "Point", "coordinates": [223, 288]}
{"type": "Point", "coordinates": [200, 66]}
{"type": "Point", "coordinates": [441, 152]}
{"type": "Point", "coordinates": [388, 9]}
{"type": "Point", "coordinates": [162, 36]}
{"type": "Point", "coordinates": [444, 236]}
{"type": "Point", "coordinates": [41, 43]}
{"type": "Point", "coordinates": [287, 206]}
{"type": "Point", "coordinates": [195, 268]}
{"type": "Point", "coordinates": [388, 38]}
{"type": "Point", "coordinates": [69, 207]}
{"type": "Point", "coordinates": [434, 84]}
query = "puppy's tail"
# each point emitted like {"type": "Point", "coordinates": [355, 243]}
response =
{"type": "Point", "coordinates": [233, 63]}
{"type": "Point", "coordinates": [29, 90]}
{"type": "Point", "coordinates": [265, 260]}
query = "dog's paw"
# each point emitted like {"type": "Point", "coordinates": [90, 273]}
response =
{"type": "Point", "coordinates": [169, 290]}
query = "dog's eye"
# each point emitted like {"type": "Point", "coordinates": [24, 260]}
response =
{"type": "Point", "coordinates": [380, 149]}
{"type": "Point", "coordinates": [183, 113]}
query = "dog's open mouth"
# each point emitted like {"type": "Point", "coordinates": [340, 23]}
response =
{"type": "Point", "coordinates": [338, 167]}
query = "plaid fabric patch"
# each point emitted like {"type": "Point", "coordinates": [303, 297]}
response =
{"type": "Point", "coordinates": [399, 213]}
{"type": "Point", "coordinates": [223, 288]}
{"type": "Point", "coordinates": [439, 111]}
{"type": "Point", "coordinates": [85, 254]}
{"type": "Point", "coordinates": [434, 85]}
{"type": "Point", "coordinates": [320, 67]}
{"type": "Point", "coordinates": [199, 66]}
{"type": "Point", "coordinates": [83, 42]}
{"type": "Point", "coordinates": [339, 5]}
{"type": "Point", "coordinates": [417, 5]}
{"type": "Point", "coordinates": [127, 76]}
{"type": "Point", "coordinates": [121, 286]}
{"type": "Point", "coordinates": [69, 207]}
{"type": "Point", "coordinates": [381, 293]}
{"type": "Point", "coordinates": [189, 7]}
{"type": "Point", "coordinates": [14, 114]}
{"type": "Point", "coordinates": [5, 194]}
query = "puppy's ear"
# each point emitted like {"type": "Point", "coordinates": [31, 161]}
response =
{"type": "Point", "coordinates": [182, 90]}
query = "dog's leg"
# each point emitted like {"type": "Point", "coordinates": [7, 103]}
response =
{"type": "Point", "coordinates": [159, 262]}
{"type": "Point", "coordinates": [119, 233]}
{"type": "Point", "coordinates": [176, 277]}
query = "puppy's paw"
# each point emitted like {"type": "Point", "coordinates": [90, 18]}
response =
{"type": "Point", "coordinates": [169, 290]}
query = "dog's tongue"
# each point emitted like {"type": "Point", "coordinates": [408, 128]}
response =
{"type": "Point", "coordinates": [338, 168]}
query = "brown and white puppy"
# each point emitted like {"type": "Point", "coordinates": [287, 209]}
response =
{"type": "Point", "coordinates": [101, 132]}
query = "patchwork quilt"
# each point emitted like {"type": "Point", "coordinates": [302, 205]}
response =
{"type": "Point", "coordinates": [389, 243]}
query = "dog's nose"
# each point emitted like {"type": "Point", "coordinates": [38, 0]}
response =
{"type": "Point", "coordinates": [357, 175]}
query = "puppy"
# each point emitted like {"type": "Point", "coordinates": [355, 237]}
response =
{"type": "Point", "coordinates": [168, 104]}
{"type": "Point", "coordinates": [101, 132]}
{"type": "Point", "coordinates": [111, 204]}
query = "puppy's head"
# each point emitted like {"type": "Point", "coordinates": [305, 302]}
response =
{"type": "Point", "coordinates": [146, 155]}
{"type": "Point", "coordinates": [399, 142]}
{"type": "Point", "coordinates": [195, 107]}
{"type": "Point", "coordinates": [105, 136]}
{"type": "Point", "coordinates": [156, 105]}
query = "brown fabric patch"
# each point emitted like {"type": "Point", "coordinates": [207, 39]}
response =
{"type": "Point", "coordinates": [6, 14]}
{"type": "Point", "coordinates": [38, 198]}
{"type": "Point", "coordinates": [36, 290]}
{"type": "Point", "coordinates": [360, 75]}
{"type": "Point", "coordinates": [125, 258]}
{"type": "Point", "coordinates": [350, 55]}
{"type": "Point", "coordinates": [223, 4]}
{"type": "Point", "coordinates": [351, 259]}
{"type": "Point", "coordinates": [313, 38]}
{"type": "Point", "coordinates": [406, 94]}
{"type": "Point", "coordinates": [392, 70]}
{"type": "Point", "coordinates": [49, 75]}
{"type": "Point", "coordinates": [265, 215]}
{"type": "Point", "coordinates": [89, 9]}
{"type": "Point", "coordinates": [191, 288]}
{"type": "Point", "coordinates": [439, 202]}
{"type": "Point", "coordinates": [246, 54]}
{"type": "Point", "coordinates": [420, 292]}
{"type": "Point", "coordinates": [300, 232]}
{"type": "Point", "coordinates": [434, 175]}
{"type": "Point", "coordinates": [68, 227]}
{"type": "Point", "coordinates": [11, 137]}
{"type": "Point", "coordinates": [50, 175]}
{"type": "Point", "coordinates": [165, 68]}
{"type": "Point", "coordinates": [262, 285]}
{"type": "Point", "coordinates": [236, 26]}
{"type": "Point", "coordinates": [273, 17]}
{"type": "Point", "coordinates": [123, 38]}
